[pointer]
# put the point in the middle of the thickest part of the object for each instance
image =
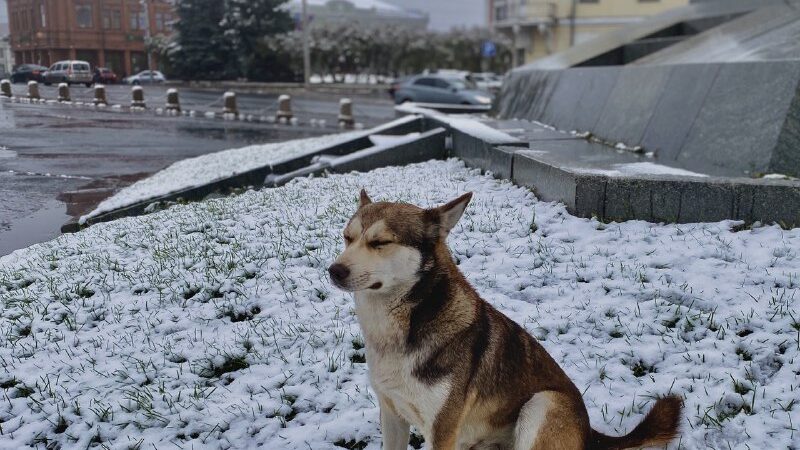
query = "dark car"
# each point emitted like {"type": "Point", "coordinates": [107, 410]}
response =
{"type": "Point", "coordinates": [435, 88]}
{"type": "Point", "coordinates": [27, 72]}
{"type": "Point", "coordinates": [104, 75]}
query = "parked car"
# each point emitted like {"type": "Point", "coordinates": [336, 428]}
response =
{"type": "Point", "coordinates": [440, 89]}
{"type": "Point", "coordinates": [104, 75]}
{"type": "Point", "coordinates": [487, 81]}
{"type": "Point", "coordinates": [146, 77]}
{"type": "Point", "coordinates": [27, 72]}
{"type": "Point", "coordinates": [70, 72]}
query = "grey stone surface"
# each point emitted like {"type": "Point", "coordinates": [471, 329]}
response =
{"type": "Point", "coordinates": [616, 40]}
{"type": "Point", "coordinates": [769, 33]}
{"type": "Point", "coordinates": [632, 103]}
{"type": "Point", "coordinates": [429, 145]}
{"type": "Point", "coordinates": [678, 107]}
{"type": "Point", "coordinates": [736, 119]}
{"type": "Point", "coordinates": [659, 198]}
{"type": "Point", "coordinates": [741, 120]}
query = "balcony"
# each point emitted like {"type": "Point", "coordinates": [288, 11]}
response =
{"type": "Point", "coordinates": [510, 13]}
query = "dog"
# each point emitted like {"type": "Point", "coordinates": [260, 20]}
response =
{"type": "Point", "coordinates": [442, 359]}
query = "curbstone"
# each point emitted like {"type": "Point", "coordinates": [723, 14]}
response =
{"type": "Point", "coordinates": [137, 98]}
{"type": "Point", "coordinates": [33, 91]}
{"type": "Point", "coordinates": [63, 93]}
{"type": "Point", "coordinates": [230, 107]}
{"type": "Point", "coordinates": [173, 102]}
{"type": "Point", "coordinates": [346, 119]}
{"type": "Point", "coordinates": [5, 89]}
{"type": "Point", "coordinates": [284, 114]}
{"type": "Point", "coordinates": [100, 95]}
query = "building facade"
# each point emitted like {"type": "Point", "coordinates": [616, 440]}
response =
{"type": "Point", "coordinates": [541, 28]}
{"type": "Point", "coordinates": [6, 56]}
{"type": "Point", "coordinates": [106, 33]}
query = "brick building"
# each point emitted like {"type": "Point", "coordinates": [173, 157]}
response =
{"type": "Point", "coordinates": [106, 33]}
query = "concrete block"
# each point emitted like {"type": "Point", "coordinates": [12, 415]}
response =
{"type": "Point", "coordinates": [429, 145]}
{"type": "Point", "coordinates": [677, 109]}
{"type": "Point", "coordinates": [742, 119]}
{"type": "Point", "coordinates": [631, 104]}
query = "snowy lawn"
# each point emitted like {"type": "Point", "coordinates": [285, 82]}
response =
{"type": "Point", "coordinates": [213, 325]}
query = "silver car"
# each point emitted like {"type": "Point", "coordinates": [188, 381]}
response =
{"type": "Point", "coordinates": [146, 77]}
{"type": "Point", "coordinates": [70, 72]}
{"type": "Point", "coordinates": [440, 89]}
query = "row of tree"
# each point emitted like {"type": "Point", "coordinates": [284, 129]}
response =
{"type": "Point", "coordinates": [257, 40]}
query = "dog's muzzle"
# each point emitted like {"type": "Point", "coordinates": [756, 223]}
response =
{"type": "Point", "coordinates": [338, 273]}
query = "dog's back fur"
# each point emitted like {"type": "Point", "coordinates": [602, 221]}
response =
{"type": "Point", "coordinates": [444, 360]}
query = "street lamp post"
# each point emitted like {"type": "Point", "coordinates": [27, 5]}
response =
{"type": "Point", "coordinates": [147, 34]}
{"type": "Point", "coordinates": [306, 50]}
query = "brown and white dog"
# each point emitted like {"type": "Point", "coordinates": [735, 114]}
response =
{"type": "Point", "coordinates": [442, 359]}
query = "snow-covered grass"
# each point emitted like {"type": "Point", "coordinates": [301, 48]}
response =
{"type": "Point", "coordinates": [213, 324]}
{"type": "Point", "coordinates": [211, 167]}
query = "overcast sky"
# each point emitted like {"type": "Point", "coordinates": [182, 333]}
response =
{"type": "Point", "coordinates": [446, 14]}
{"type": "Point", "coordinates": [3, 11]}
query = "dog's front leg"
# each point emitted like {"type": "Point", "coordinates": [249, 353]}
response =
{"type": "Point", "coordinates": [394, 428]}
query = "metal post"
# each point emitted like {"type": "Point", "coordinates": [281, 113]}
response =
{"type": "Point", "coordinates": [306, 49]}
{"type": "Point", "coordinates": [146, 7]}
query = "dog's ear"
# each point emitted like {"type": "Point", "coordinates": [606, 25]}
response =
{"type": "Point", "coordinates": [450, 213]}
{"type": "Point", "coordinates": [364, 199]}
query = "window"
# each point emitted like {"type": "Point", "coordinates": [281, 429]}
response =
{"type": "Point", "coordinates": [112, 19]}
{"type": "Point", "coordinates": [43, 15]}
{"type": "Point", "coordinates": [137, 20]}
{"type": "Point", "coordinates": [162, 21]}
{"type": "Point", "coordinates": [441, 84]}
{"type": "Point", "coordinates": [83, 15]}
{"type": "Point", "coordinates": [428, 82]}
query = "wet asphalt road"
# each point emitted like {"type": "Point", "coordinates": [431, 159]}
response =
{"type": "Point", "coordinates": [57, 162]}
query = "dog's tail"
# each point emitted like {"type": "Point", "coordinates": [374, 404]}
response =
{"type": "Point", "coordinates": [658, 428]}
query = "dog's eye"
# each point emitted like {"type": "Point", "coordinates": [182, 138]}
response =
{"type": "Point", "coordinates": [379, 244]}
{"type": "Point", "coordinates": [348, 240]}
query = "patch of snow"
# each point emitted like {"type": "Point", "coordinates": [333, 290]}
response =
{"type": "Point", "coordinates": [778, 176]}
{"type": "Point", "coordinates": [469, 125]}
{"type": "Point", "coordinates": [390, 139]}
{"type": "Point", "coordinates": [641, 168]}
{"type": "Point", "coordinates": [214, 325]}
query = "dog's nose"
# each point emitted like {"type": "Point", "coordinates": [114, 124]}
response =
{"type": "Point", "coordinates": [338, 272]}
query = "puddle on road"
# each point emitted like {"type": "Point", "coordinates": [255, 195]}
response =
{"type": "Point", "coordinates": [43, 225]}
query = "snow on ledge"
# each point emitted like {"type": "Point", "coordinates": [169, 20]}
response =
{"type": "Point", "coordinates": [469, 125]}
{"type": "Point", "coordinates": [641, 168]}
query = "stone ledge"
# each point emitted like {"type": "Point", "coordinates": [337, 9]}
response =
{"type": "Point", "coordinates": [301, 165]}
{"type": "Point", "coordinates": [657, 198]}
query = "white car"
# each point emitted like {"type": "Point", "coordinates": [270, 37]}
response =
{"type": "Point", "coordinates": [487, 81]}
{"type": "Point", "coordinates": [146, 77]}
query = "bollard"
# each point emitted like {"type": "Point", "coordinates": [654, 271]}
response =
{"type": "Point", "coordinates": [284, 114]}
{"type": "Point", "coordinates": [230, 104]}
{"type": "Point", "coordinates": [137, 97]}
{"type": "Point", "coordinates": [5, 88]}
{"type": "Point", "coordinates": [33, 90]}
{"type": "Point", "coordinates": [63, 93]}
{"type": "Point", "coordinates": [346, 119]}
{"type": "Point", "coordinates": [100, 95]}
{"type": "Point", "coordinates": [173, 103]}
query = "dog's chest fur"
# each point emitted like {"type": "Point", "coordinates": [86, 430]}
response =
{"type": "Point", "coordinates": [391, 367]}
